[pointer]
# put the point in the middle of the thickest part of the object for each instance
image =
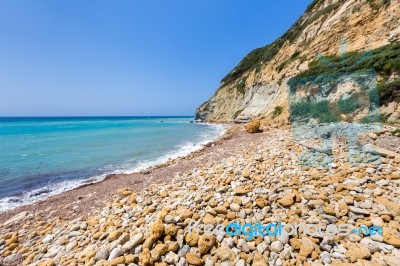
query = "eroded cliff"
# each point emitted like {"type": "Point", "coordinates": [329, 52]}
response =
{"type": "Point", "coordinates": [257, 86]}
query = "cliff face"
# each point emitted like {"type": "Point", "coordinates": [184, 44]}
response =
{"type": "Point", "coordinates": [258, 84]}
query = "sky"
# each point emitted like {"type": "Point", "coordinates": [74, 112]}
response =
{"type": "Point", "coordinates": [127, 57]}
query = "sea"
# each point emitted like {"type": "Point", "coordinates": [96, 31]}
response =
{"type": "Point", "coordinates": [43, 156]}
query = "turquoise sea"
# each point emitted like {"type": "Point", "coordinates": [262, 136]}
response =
{"type": "Point", "coordinates": [40, 157]}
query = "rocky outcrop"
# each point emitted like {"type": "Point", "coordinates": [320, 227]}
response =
{"type": "Point", "coordinates": [259, 82]}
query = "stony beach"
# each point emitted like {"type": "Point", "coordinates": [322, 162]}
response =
{"type": "Point", "coordinates": [244, 178]}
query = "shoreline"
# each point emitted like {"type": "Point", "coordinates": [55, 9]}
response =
{"type": "Point", "coordinates": [87, 200]}
{"type": "Point", "coordinates": [144, 219]}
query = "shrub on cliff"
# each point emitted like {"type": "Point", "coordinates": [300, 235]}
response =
{"type": "Point", "coordinates": [277, 111]}
{"type": "Point", "coordinates": [253, 126]}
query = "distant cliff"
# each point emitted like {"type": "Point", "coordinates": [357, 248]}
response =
{"type": "Point", "coordinates": [257, 86]}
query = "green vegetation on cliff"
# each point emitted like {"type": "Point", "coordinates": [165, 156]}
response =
{"type": "Point", "coordinates": [259, 56]}
{"type": "Point", "coordinates": [384, 61]}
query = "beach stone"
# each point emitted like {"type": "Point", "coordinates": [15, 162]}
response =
{"type": "Point", "coordinates": [116, 261]}
{"type": "Point", "coordinates": [259, 260]}
{"type": "Point", "coordinates": [358, 210]}
{"type": "Point", "coordinates": [47, 262]}
{"type": "Point", "coordinates": [183, 250]}
{"type": "Point", "coordinates": [171, 230]}
{"type": "Point", "coordinates": [327, 243]}
{"type": "Point", "coordinates": [241, 262]}
{"type": "Point", "coordinates": [221, 210]}
{"type": "Point", "coordinates": [45, 240]}
{"type": "Point", "coordinates": [171, 258]}
{"type": "Point", "coordinates": [148, 243]}
{"type": "Point", "coordinates": [391, 237]}
{"type": "Point", "coordinates": [287, 200]}
{"type": "Point", "coordinates": [224, 253]}
{"type": "Point", "coordinates": [246, 173]}
{"type": "Point", "coordinates": [192, 239]}
{"type": "Point", "coordinates": [157, 229]}
{"type": "Point", "coordinates": [145, 258]}
{"type": "Point", "coordinates": [116, 252]}
{"type": "Point", "coordinates": [235, 207]}
{"type": "Point", "coordinates": [243, 245]}
{"type": "Point", "coordinates": [262, 247]}
{"type": "Point", "coordinates": [357, 251]}
{"type": "Point", "coordinates": [206, 243]}
{"type": "Point", "coordinates": [325, 257]}
{"type": "Point", "coordinates": [133, 242]}
{"type": "Point", "coordinates": [193, 259]}
{"type": "Point", "coordinates": [276, 246]}
{"type": "Point", "coordinates": [17, 218]}
{"type": "Point", "coordinates": [158, 251]}
{"type": "Point", "coordinates": [307, 247]}
{"type": "Point", "coordinates": [209, 261]}
{"type": "Point", "coordinates": [102, 254]}
{"type": "Point", "coordinates": [114, 235]}
{"type": "Point", "coordinates": [374, 246]}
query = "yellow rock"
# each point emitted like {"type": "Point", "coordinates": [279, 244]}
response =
{"type": "Point", "coordinates": [253, 126]}
{"type": "Point", "coordinates": [171, 230]}
{"type": "Point", "coordinates": [148, 243]}
{"type": "Point", "coordinates": [13, 239]}
{"type": "Point", "coordinates": [307, 247]}
{"type": "Point", "coordinates": [130, 258]}
{"type": "Point", "coordinates": [47, 262]}
{"type": "Point", "coordinates": [246, 173]}
{"type": "Point", "coordinates": [145, 258]}
{"type": "Point", "coordinates": [357, 251]}
{"type": "Point", "coordinates": [391, 237]}
{"type": "Point", "coordinates": [28, 259]}
{"type": "Point", "coordinates": [206, 243]}
{"type": "Point", "coordinates": [260, 202]}
{"type": "Point", "coordinates": [86, 255]}
{"type": "Point", "coordinates": [173, 246]}
{"type": "Point", "coordinates": [192, 239]}
{"type": "Point", "coordinates": [259, 260]}
{"type": "Point", "coordinates": [114, 235]}
{"type": "Point", "coordinates": [287, 200]}
{"type": "Point", "coordinates": [116, 261]}
{"type": "Point", "coordinates": [158, 251]}
{"type": "Point", "coordinates": [193, 259]}
{"type": "Point", "coordinates": [157, 229]}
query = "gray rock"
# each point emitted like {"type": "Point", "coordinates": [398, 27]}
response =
{"type": "Point", "coordinates": [327, 243]}
{"type": "Point", "coordinates": [358, 210]}
{"type": "Point", "coordinates": [243, 245]}
{"type": "Point", "coordinates": [116, 252]}
{"type": "Point", "coordinates": [183, 250]}
{"type": "Point", "coordinates": [209, 261]}
{"type": "Point", "coordinates": [171, 258]}
{"type": "Point", "coordinates": [102, 253]}
{"type": "Point", "coordinates": [325, 257]}
{"type": "Point", "coordinates": [240, 262]}
{"type": "Point", "coordinates": [276, 246]}
{"type": "Point", "coordinates": [133, 242]}
{"type": "Point", "coordinates": [375, 246]}
{"type": "Point", "coordinates": [235, 207]}
{"type": "Point", "coordinates": [262, 247]}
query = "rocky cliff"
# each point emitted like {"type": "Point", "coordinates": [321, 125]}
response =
{"type": "Point", "coordinates": [258, 85]}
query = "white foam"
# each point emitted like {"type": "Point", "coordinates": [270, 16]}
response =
{"type": "Point", "coordinates": [40, 194]}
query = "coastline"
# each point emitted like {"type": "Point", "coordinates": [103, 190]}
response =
{"type": "Point", "coordinates": [243, 178]}
{"type": "Point", "coordinates": [86, 197]}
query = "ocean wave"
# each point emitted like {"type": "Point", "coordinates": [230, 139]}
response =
{"type": "Point", "coordinates": [51, 189]}
{"type": "Point", "coordinates": [43, 193]}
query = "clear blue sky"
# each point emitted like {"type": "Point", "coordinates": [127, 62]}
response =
{"type": "Point", "coordinates": [125, 57]}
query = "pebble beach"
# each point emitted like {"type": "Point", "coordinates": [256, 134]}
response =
{"type": "Point", "coordinates": [143, 219]}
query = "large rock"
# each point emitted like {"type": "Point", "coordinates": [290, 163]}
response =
{"type": "Point", "coordinates": [357, 251]}
{"type": "Point", "coordinates": [253, 126]}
